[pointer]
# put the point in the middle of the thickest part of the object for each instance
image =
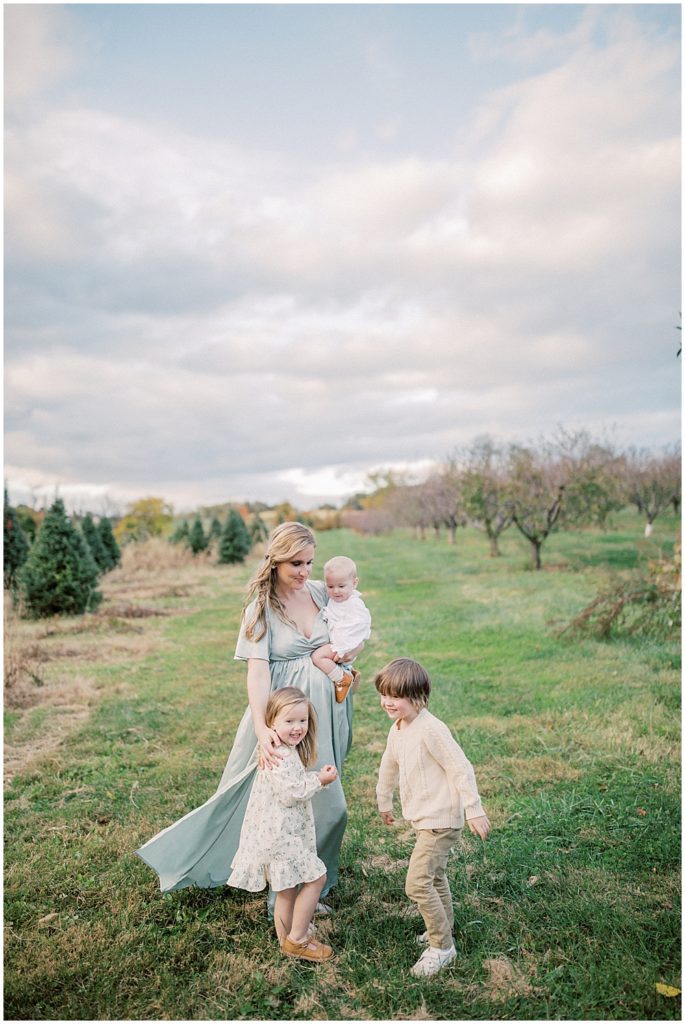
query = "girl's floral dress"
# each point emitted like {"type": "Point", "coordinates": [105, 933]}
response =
{"type": "Point", "coordinates": [277, 838]}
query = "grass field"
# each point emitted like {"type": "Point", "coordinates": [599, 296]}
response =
{"type": "Point", "coordinates": [571, 910]}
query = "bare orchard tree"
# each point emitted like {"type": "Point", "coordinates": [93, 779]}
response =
{"type": "Point", "coordinates": [568, 482]}
{"type": "Point", "coordinates": [536, 494]}
{"type": "Point", "coordinates": [485, 491]}
{"type": "Point", "coordinates": [594, 487]}
{"type": "Point", "coordinates": [652, 482]}
{"type": "Point", "coordinates": [405, 507]}
{"type": "Point", "coordinates": [429, 498]}
{"type": "Point", "coordinates": [449, 497]}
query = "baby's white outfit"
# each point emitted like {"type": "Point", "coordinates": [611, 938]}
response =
{"type": "Point", "coordinates": [349, 622]}
{"type": "Point", "coordinates": [277, 839]}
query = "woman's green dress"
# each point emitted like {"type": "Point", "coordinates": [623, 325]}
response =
{"type": "Point", "coordinates": [198, 849]}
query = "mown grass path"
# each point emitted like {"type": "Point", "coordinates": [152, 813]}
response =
{"type": "Point", "coordinates": [571, 909]}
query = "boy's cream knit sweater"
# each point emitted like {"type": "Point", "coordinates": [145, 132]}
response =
{"type": "Point", "coordinates": [437, 782]}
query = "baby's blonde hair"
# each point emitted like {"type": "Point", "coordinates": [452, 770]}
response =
{"type": "Point", "coordinates": [287, 697]}
{"type": "Point", "coordinates": [340, 563]}
{"type": "Point", "coordinates": [285, 541]}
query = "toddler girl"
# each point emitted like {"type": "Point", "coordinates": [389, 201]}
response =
{"type": "Point", "coordinates": [349, 624]}
{"type": "Point", "coordinates": [277, 839]}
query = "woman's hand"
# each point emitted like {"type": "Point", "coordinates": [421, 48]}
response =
{"type": "Point", "coordinates": [328, 774]}
{"type": "Point", "coordinates": [268, 740]}
{"type": "Point", "coordinates": [348, 655]}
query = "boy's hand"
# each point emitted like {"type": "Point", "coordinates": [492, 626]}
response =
{"type": "Point", "coordinates": [387, 817]}
{"type": "Point", "coordinates": [479, 826]}
{"type": "Point", "coordinates": [328, 774]}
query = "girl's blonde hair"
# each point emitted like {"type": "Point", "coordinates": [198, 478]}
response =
{"type": "Point", "coordinates": [285, 541]}
{"type": "Point", "coordinates": [286, 697]}
{"type": "Point", "coordinates": [403, 677]}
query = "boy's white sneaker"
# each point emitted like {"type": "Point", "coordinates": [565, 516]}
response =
{"type": "Point", "coordinates": [422, 939]}
{"type": "Point", "coordinates": [433, 960]}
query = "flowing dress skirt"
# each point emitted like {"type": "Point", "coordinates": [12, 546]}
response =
{"type": "Point", "coordinates": [198, 849]}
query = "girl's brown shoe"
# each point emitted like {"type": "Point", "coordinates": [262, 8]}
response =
{"type": "Point", "coordinates": [310, 949]}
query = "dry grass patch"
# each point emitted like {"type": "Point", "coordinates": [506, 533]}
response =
{"type": "Point", "coordinates": [385, 862]}
{"type": "Point", "coordinates": [505, 980]}
{"type": "Point", "coordinates": [520, 772]}
{"type": "Point", "coordinates": [48, 662]}
{"type": "Point", "coordinates": [308, 1007]}
{"type": "Point", "coordinates": [420, 1013]}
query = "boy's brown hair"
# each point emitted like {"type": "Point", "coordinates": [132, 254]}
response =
{"type": "Point", "coordinates": [403, 677]}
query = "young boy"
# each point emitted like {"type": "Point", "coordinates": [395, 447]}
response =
{"type": "Point", "coordinates": [437, 791]}
{"type": "Point", "coordinates": [349, 623]}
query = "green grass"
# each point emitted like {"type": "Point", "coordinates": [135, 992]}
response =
{"type": "Point", "coordinates": [569, 911]}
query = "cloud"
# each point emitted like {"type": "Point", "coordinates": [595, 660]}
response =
{"type": "Point", "coordinates": [189, 313]}
{"type": "Point", "coordinates": [35, 54]}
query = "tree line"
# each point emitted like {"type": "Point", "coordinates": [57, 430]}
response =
{"type": "Point", "coordinates": [54, 569]}
{"type": "Point", "coordinates": [52, 562]}
{"type": "Point", "coordinates": [538, 488]}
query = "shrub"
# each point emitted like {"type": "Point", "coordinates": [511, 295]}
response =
{"type": "Point", "coordinates": [647, 603]}
{"type": "Point", "coordinates": [59, 575]}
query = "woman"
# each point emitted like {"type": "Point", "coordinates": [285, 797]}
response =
{"type": "Point", "coordinates": [280, 628]}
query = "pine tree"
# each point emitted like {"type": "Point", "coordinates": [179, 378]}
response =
{"type": "Point", "coordinates": [258, 530]}
{"type": "Point", "coordinates": [94, 541]}
{"type": "Point", "coordinates": [214, 530]}
{"type": "Point", "coordinates": [235, 540]}
{"type": "Point", "coordinates": [109, 542]}
{"type": "Point", "coordinates": [16, 546]}
{"type": "Point", "coordinates": [197, 540]}
{"type": "Point", "coordinates": [180, 533]}
{"type": "Point", "coordinates": [60, 574]}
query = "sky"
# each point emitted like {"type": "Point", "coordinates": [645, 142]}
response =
{"type": "Point", "coordinates": [256, 251]}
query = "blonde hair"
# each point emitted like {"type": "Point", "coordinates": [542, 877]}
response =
{"type": "Point", "coordinates": [340, 563]}
{"type": "Point", "coordinates": [287, 697]}
{"type": "Point", "coordinates": [285, 541]}
{"type": "Point", "coordinates": [403, 677]}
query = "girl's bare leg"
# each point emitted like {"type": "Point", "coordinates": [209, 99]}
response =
{"type": "Point", "coordinates": [303, 911]}
{"type": "Point", "coordinates": [283, 912]}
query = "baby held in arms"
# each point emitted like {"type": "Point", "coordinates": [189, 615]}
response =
{"type": "Point", "coordinates": [349, 624]}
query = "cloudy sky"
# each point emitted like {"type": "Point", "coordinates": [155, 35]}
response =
{"type": "Point", "coordinates": [256, 251]}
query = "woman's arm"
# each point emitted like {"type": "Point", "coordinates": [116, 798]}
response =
{"type": "Point", "coordinates": [258, 690]}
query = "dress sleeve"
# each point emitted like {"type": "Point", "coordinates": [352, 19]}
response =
{"type": "Point", "coordinates": [290, 783]}
{"type": "Point", "coordinates": [319, 594]}
{"type": "Point", "coordinates": [252, 648]}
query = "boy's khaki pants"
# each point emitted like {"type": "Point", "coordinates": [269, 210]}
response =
{"type": "Point", "coordinates": [427, 883]}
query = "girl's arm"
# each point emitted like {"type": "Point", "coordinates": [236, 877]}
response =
{"type": "Point", "coordinates": [258, 690]}
{"type": "Point", "coordinates": [291, 784]}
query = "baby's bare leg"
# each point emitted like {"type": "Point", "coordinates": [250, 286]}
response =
{"type": "Point", "coordinates": [323, 659]}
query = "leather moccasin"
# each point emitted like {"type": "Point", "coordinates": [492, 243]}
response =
{"type": "Point", "coordinates": [308, 950]}
{"type": "Point", "coordinates": [342, 687]}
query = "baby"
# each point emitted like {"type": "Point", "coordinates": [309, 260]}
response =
{"type": "Point", "coordinates": [349, 624]}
